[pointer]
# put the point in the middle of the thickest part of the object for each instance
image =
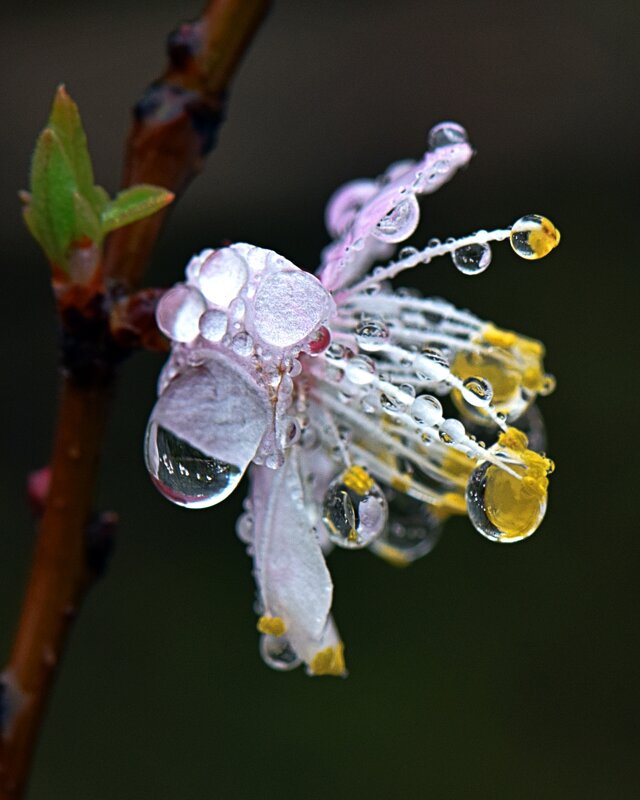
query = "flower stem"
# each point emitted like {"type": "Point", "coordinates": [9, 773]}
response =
{"type": "Point", "coordinates": [167, 149]}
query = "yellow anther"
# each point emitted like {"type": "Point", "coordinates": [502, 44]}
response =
{"type": "Point", "coordinates": [273, 626]}
{"type": "Point", "coordinates": [358, 479]}
{"type": "Point", "coordinates": [401, 482]}
{"type": "Point", "coordinates": [329, 661]}
{"type": "Point", "coordinates": [497, 337]}
{"type": "Point", "coordinates": [392, 556]}
{"type": "Point", "coordinates": [352, 536]}
{"type": "Point", "coordinates": [450, 503]}
{"type": "Point", "coordinates": [513, 439]}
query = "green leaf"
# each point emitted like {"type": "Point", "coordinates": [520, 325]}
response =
{"type": "Point", "coordinates": [53, 184]}
{"type": "Point", "coordinates": [65, 121]}
{"type": "Point", "coordinates": [134, 204]}
{"type": "Point", "coordinates": [87, 222]}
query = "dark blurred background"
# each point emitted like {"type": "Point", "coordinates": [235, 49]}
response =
{"type": "Point", "coordinates": [481, 671]}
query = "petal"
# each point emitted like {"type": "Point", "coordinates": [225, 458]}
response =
{"type": "Point", "coordinates": [293, 580]}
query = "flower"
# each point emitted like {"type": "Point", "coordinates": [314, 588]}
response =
{"type": "Point", "coordinates": [338, 395]}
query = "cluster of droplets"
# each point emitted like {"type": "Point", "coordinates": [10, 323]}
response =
{"type": "Point", "coordinates": [238, 327]}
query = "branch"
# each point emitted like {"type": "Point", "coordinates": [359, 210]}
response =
{"type": "Point", "coordinates": [175, 126]}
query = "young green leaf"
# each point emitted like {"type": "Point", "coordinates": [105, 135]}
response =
{"type": "Point", "coordinates": [65, 121]}
{"type": "Point", "coordinates": [134, 204]}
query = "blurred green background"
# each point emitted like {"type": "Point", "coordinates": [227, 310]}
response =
{"type": "Point", "coordinates": [481, 671]}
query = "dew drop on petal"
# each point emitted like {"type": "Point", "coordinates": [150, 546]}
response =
{"type": "Point", "coordinates": [213, 325]}
{"type": "Point", "coordinates": [278, 654]}
{"type": "Point", "coordinates": [472, 259]}
{"type": "Point", "coordinates": [242, 344]}
{"type": "Point", "coordinates": [354, 509]}
{"type": "Point", "coordinates": [534, 236]}
{"type": "Point", "coordinates": [222, 276]}
{"type": "Point", "coordinates": [289, 306]}
{"type": "Point", "coordinates": [400, 222]}
{"type": "Point", "coordinates": [185, 475]}
{"type": "Point", "coordinates": [477, 391]}
{"type": "Point", "coordinates": [426, 410]}
{"type": "Point", "coordinates": [444, 134]}
{"type": "Point", "coordinates": [179, 311]}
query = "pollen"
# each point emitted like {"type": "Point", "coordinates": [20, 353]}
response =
{"type": "Point", "coordinates": [273, 626]}
{"type": "Point", "coordinates": [329, 661]}
{"type": "Point", "coordinates": [358, 479]}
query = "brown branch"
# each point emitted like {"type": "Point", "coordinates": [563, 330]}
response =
{"type": "Point", "coordinates": [175, 126]}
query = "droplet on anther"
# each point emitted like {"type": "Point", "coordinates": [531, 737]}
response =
{"type": "Point", "coordinates": [534, 236]}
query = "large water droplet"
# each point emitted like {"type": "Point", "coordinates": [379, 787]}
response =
{"type": "Point", "coordinates": [502, 507]}
{"type": "Point", "coordinates": [472, 259]}
{"type": "Point", "coordinates": [534, 236]}
{"type": "Point", "coordinates": [426, 410]}
{"type": "Point", "coordinates": [222, 276]}
{"type": "Point", "coordinates": [452, 431]}
{"type": "Point", "coordinates": [445, 134]}
{"type": "Point", "coordinates": [185, 475]}
{"type": "Point", "coordinates": [278, 654]}
{"type": "Point", "coordinates": [400, 222]}
{"type": "Point", "coordinates": [354, 509]}
{"type": "Point", "coordinates": [179, 311]}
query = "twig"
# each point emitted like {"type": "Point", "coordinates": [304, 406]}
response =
{"type": "Point", "coordinates": [175, 126]}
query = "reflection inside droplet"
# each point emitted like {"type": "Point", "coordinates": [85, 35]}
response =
{"type": "Point", "coordinates": [185, 475]}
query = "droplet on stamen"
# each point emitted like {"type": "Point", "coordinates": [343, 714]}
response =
{"type": "Point", "coordinates": [534, 236]}
{"type": "Point", "coordinates": [354, 509]}
{"type": "Point", "coordinates": [472, 259]}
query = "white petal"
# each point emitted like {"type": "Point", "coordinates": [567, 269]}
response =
{"type": "Point", "coordinates": [294, 582]}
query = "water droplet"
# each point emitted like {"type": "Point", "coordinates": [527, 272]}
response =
{"type": "Point", "coordinates": [372, 334]}
{"type": "Point", "coordinates": [502, 507]}
{"type": "Point", "coordinates": [534, 236]}
{"type": "Point", "coordinates": [472, 259]}
{"type": "Point", "coordinates": [242, 344]}
{"type": "Point", "coordinates": [277, 653]}
{"type": "Point", "coordinates": [400, 222]}
{"type": "Point", "coordinates": [354, 509]}
{"type": "Point", "coordinates": [426, 410]}
{"type": "Point", "coordinates": [361, 370]}
{"type": "Point", "coordinates": [222, 276]}
{"type": "Point", "coordinates": [477, 391]}
{"type": "Point", "coordinates": [452, 431]}
{"type": "Point", "coordinates": [179, 311]}
{"type": "Point", "coordinates": [548, 385]}
{"type": "Point", "coordinates": [434, 242]}
{"type": "Point", "coordinates": [408, 252]}
{"type": "Point", "coordinates": [390, 404]}
{"type": "Point", "coordinates": [431, 365]}
{"type": "Point", "coordinates": [445, 134]}
{"type": "Point", "coordinates": [412, 531]}
{"type": "Point", "coordinates": [185, 475]}
{"type": "Point", "coordinates": [320, 341]}
{"type": "Point", "coordinates": [335, 351]}
{"type": "Point", "coordinates": [213, 325]}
